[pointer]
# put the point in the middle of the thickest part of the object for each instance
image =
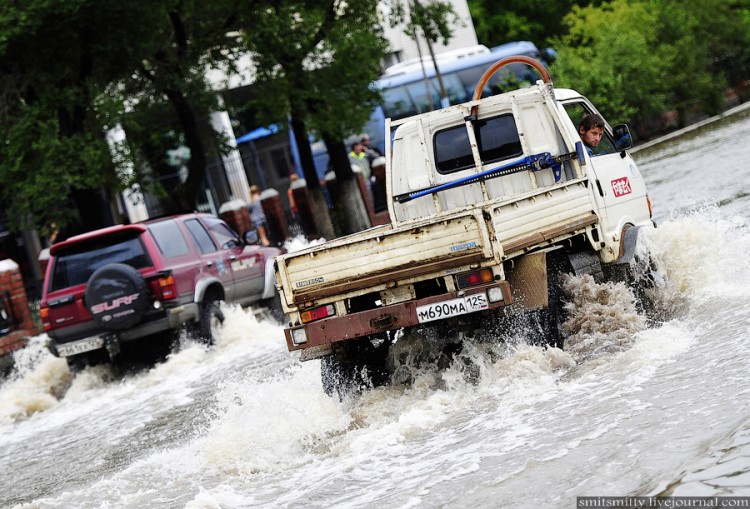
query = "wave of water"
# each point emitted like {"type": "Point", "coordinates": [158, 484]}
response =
{"type": "Point", "coordinates": [629, 407]}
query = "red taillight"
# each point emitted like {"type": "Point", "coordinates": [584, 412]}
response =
{"type": "Point", "coordinates": [44, 316]}
{"type": "Point", "coordinates": [650, 208]}
{"type": "Point", "coordinates": [167, 287]}
{"type": "Point", "coordinates": [317, 313]}
{"type": "Point", "coordinates": [474, 278]}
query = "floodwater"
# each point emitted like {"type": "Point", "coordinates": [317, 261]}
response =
{"type": "Point", "coordinates": [631, 407]}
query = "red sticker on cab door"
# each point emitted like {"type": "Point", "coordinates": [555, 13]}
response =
{"type": "Point", "coordinates": [621, 187]}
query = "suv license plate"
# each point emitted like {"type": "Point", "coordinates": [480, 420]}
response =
{"type": "Point", "coordinates": [453, 307]}
{"type": "Point", "coordinates": [76, 347]}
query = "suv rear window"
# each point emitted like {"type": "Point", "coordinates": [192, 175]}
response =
{"type": "Point", "coordinates": [497, 139]}
{"type": "Point", "coordinates": [74, 266]}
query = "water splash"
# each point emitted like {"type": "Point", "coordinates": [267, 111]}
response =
{"type": "Point", "coordinates": [702, 256]}
{"type": "Point", "coordinates": [270, 424]}
{"type": "Point", "coordinates": [299, 243]}
{"type": "Point", "coordinates": [36, 384]}
{"type": "Point", "coordinates": [602, 317]}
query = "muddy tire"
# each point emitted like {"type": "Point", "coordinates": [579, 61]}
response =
{"type": "Point", "coordinates": [550, 319]}
{"type": "Point", "coordinates": [117, 296]}
{"type": "Point", "coordinates": [354, 367]}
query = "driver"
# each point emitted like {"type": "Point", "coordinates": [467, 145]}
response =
{"type": "Point", "coordinates": [591, 130]}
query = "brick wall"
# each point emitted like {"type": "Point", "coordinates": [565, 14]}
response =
{"type": "Point", "coordinates": [236, 215]}
{"type": "Point", "coordinates": [276, 226]}
{"type": "Point", "coordinates": [13, 293]}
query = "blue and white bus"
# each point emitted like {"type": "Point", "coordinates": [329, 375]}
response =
{"type": "Point", "coordinates": [412, 87]}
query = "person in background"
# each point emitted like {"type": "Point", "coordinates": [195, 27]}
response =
{"type": "Point", "coordinates": [377, 185]}
{"type": "Point", "coordinates": [293, 177]}
{"type": "Point", "coordinates": [358, 157]}
{"type": "Point", "coordinates": [371, 152]}
{"type": "Point", "coordinates": [591, 130]}
{"type": "Point", "coordinates": [257, 216]}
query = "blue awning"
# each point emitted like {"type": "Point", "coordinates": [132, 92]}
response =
{"type": "Point", "coordinates": [257, 133]}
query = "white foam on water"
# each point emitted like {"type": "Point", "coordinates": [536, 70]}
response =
{"type": "Point", "coordinates": [619, 410]}
{"type": "Point", "coordinates": [299, 243]}
{"type": "Point", "coordinates": [36, 384]}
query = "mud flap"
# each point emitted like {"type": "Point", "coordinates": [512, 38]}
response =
{"type": "Point", "coordinates": [528, 281]}
{"type": "Point", "coordinates": [628, 243]}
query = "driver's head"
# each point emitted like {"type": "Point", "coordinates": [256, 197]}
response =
{"type": "Point", "coordinates": [591, 129]}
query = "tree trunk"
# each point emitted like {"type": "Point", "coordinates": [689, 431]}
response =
{"type": "Point", "coordinates": [319, 205]}
{"type": "Point", "coordinates": [185, 194]}
{"type": "Point", "coordinates": [348, 205]}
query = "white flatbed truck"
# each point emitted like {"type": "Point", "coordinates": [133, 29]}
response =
{"type": "Point", "coordinates": [489, 201]}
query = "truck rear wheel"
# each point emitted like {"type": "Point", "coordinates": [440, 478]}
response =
{"type": "Point", "coordinates": [355, 366]}
{"type": "Point", "coordinates": [551, 318]}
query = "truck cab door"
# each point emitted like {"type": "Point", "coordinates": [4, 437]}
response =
{"type": "Point", "coordinates": [619, 189]}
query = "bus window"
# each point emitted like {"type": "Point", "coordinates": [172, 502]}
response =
{"type": "Point", "coordinates": [509, 78]}
{"type": "Point", "coordinates": [470, 77]}
{"type": "Point", "coordinates": [454, 88]}
{"type": "Point", "coordinates": [418, 92]}
{"type": "Point", "coordinates": [397, 103]}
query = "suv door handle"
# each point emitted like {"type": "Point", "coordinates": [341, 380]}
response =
{"type": "Point", "coordinates": [232, 257]}
{"type": "Point", "coordinates": [209, 264]}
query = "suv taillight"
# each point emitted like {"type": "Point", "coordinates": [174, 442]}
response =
{"type": "Point", "coordinates": [167, 287]}
{"type": "Point", "coordinates": [44, 316]}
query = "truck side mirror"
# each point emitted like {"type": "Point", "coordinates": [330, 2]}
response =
{"type": "Point", "coordinates": [623, 140]}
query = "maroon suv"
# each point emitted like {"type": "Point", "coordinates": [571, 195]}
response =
{"type": "Point", "coordinates": [131, 282]}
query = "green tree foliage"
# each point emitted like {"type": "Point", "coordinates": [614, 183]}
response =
{"type": "Point", "coordinates": [72, 70]}
{"type": "Point", "coordinates": [315, 60]}
{"type": "Point", "coordinates": [608, 55]}
{"type": "Point", "coordinates": [165, 100]}
{"type": "Point", "coordinates": [520, 20]}
{"type": "Point", "coordinates": [638, 59]}
{"type": "Point", "coordinates": [54, 60]}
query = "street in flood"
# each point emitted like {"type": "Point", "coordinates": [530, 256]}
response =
{"type": "Point", "coordinates": [631, 406]}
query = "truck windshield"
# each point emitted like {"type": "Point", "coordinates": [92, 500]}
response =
{"type": "Point", "coordinates": [497, 139]}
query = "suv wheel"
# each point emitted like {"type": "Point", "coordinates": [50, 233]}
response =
{"type": "Point", "coordinates": [117, 296]}
{"type": "Point", "coordinates": [210, 321]}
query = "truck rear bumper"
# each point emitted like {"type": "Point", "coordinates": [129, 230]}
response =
{"type": "Point", "coordinates": [382, 319]}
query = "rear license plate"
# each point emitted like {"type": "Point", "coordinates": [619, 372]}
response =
{"type": "Point", "coordinates": [453, 307]}
{"type": "Point", "coordinates": [76, 347]}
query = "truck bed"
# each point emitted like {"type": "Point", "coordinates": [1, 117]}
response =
{"type": "Point", "coordinates": [374, 258]}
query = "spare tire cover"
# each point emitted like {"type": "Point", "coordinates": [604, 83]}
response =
{"type": "Point", "coordinates": [117, 296]}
